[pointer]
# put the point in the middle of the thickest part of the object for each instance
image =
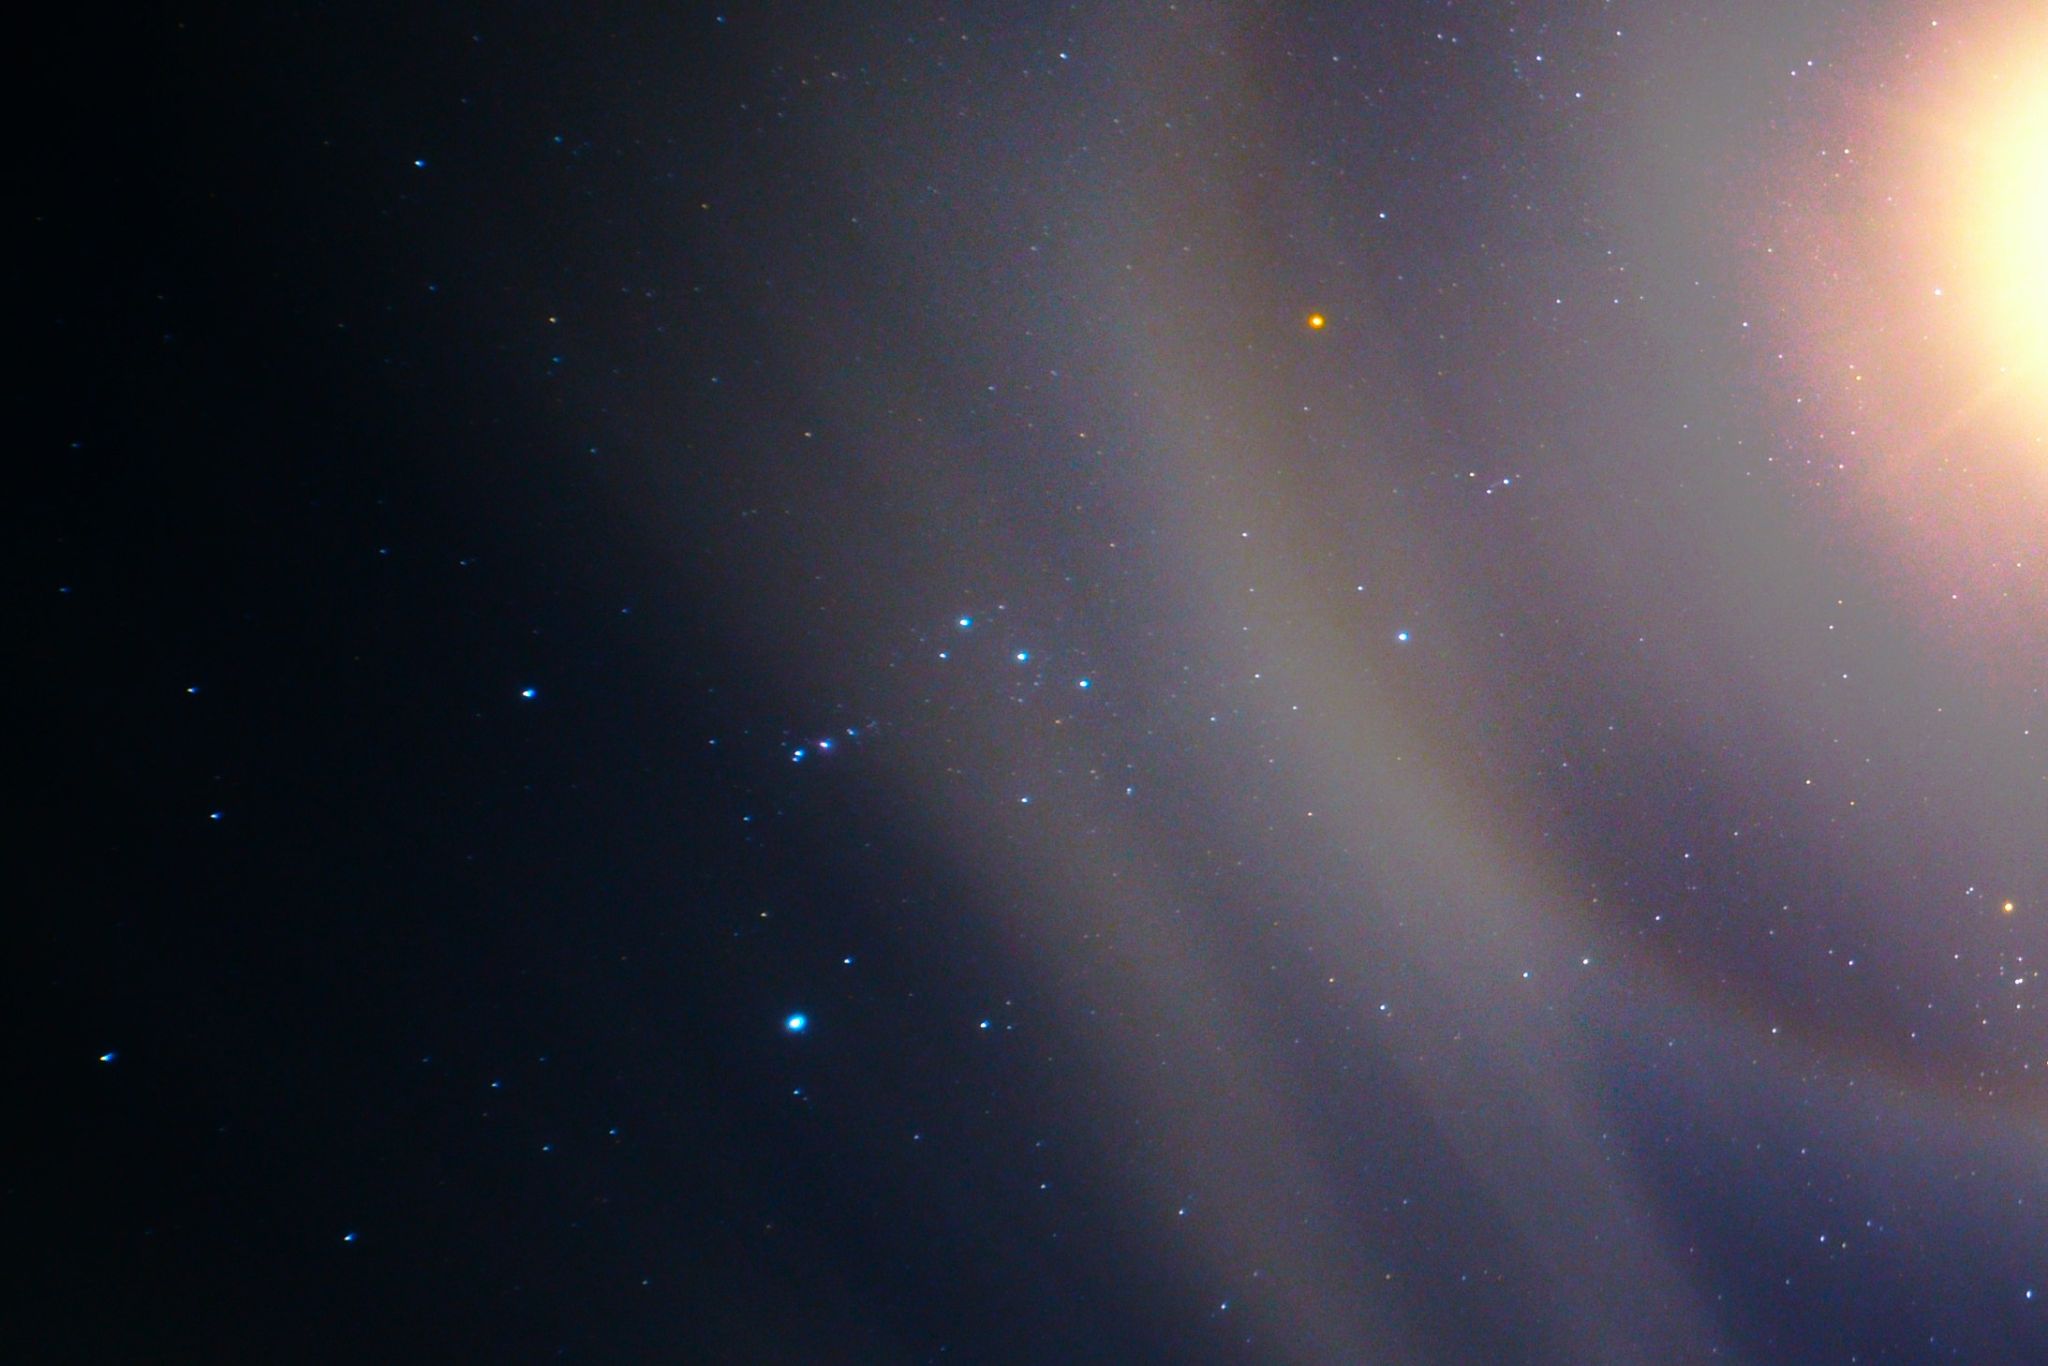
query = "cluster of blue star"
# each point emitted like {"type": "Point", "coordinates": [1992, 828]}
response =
{"type": "Point", "coordinates": [1029, 669]}
{"type": "Point", "coordinates": [993, 659]}
{"type": "Point", "coordinates": [823, 745]}
{"type": "Point", "coordinates": [1019, 654]}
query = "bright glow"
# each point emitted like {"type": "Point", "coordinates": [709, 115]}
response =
{"type": "Point", "coordinates": [1315, 322]}
{"type": "Point", "coordinates": [1905, 258]}
{"type": "Point", "coordinates": [2004, 227]}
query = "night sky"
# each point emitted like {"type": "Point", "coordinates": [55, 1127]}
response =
{"type": "Point", "coordinates": [1300, 683]}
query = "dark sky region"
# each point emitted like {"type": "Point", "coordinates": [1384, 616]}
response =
{"type": "Point", "coordinates": [1296, 683]}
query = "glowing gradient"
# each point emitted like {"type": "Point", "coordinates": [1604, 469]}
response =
{"type": "Point", "coordinates": [2002, 230]}
{"type": "Point", "coordinates": [1906, 251]}
{"type": "Point", "coordinates": [1413, 861]}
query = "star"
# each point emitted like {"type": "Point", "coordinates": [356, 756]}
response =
{"type": "Point", "coordinates": [797, 1024]}
{"type": "Point", "coordinates": [1316, 322]}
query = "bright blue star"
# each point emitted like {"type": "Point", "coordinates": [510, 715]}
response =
{"type": "Point", "coordinates": [966, 623]}
{"type": "Point", "coordinates": [109, 1055]}
{"type": "Point", "coordinates": [797, 757]}
{"type": "Point", "coordinates": [1084, 683]}
{"type": "Point", "coordinates": [348, 1237]}
{"type": "Point", "coordinates": [529, 693]}
{"type": "Point", "coordinates": [1023, 656]}
{"type": "Point", "coordinates": [1401, 636]}
{"type": "Point", "coordinates": [797, 1024]}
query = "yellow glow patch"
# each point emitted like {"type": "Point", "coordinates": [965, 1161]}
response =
{"type": "Point", "coordinates": [1315, 322]}
{"type": "Point", "coordinates": [1901, 234]}
{"type": "Point", "coordinates": [2003, 225]}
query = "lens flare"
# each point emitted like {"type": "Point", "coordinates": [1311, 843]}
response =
{"type": "Point", "coordinates": [1902, 255]}
{"type": "Point", "coordinates": [2002, 235]}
